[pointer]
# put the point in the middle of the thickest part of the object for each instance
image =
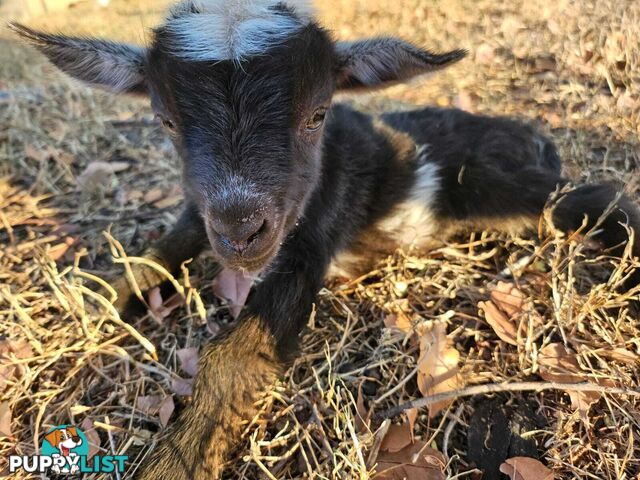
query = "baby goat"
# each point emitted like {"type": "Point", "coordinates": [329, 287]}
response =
{"type": "Point", "coordinates": [278, 180]}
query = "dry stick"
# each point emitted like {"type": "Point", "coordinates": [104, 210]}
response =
{"type": "Point", "coordinates": [502, 387]}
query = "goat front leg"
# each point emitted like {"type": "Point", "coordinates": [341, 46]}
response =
{"type": "Point", "coordinates": [185, 240]}
{"type": "Point", "coordinates": [236, 367]}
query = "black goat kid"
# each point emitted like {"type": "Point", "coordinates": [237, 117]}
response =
{"type": "Point", "coordinates": [272, 186]}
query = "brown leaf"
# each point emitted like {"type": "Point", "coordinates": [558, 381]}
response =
{"type": "Point", "coordinates": [438, 370]}
{"type": "Point", "coordinates": [558, 364]}
{"type": "Point", "coordinates": [182, 386]}
{"type": "Point", "coordinates": [621, 355]}
{"type": "Point", "coordinates": [397, 438]}
{"type": "Point", "coordinates": [20, 348]}
{"type": "Point", "coordinates": [501, 324]}
{"type": "Point", "coordinates": [233, 287]}
{"type": "Point", "coordinates": [508, 298]}
{"type": "Point", "coordinates": [97, 174]}
{"type": "Point", "coordinates": [10, 349]}
{"type": "Point", "coordinates": [416, 461]}
{"type": "Point", "coordinates": [508, 312]}
{"type": "Point", "coordinates": [35, 153]}
{"type": "Point", "coordinates": [188, 360]}
{"type": "Point", "coordinates": [158, 308]}
{"type": "Point", "coordinates": [134, 195]}
{"type": "Point", "coordinates": [166, 410]}
{"type": "Point", "coordinates": [362, 416]}
{"type": "Point", "coordinates": [92, 436]}
{"type": "Point", "coordinates": [5, 420]}
{"type": "Point", "coordinates": [525, 468]}
{"type": "Point", "coordinates": [149, 404]}
{"type": "Point", "coordinates": [400, 321]}
{"type": "Point", "coordinates": [7, 374]}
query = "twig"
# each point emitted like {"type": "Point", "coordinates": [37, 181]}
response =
{"type": "Point", "coordinates": [111, 443]}
{"type": "Point", "coordinates": [502, 387]}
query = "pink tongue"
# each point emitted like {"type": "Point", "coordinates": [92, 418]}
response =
{"type": "Point", "coordinates": [233, 287]}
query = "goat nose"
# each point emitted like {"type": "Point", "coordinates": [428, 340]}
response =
{"type": "Point", "coordinates": [240, 234]}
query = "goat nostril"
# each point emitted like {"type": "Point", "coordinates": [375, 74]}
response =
{"type": "Point", "coordinates": [241, 244]}
{"type": "Point", "coordinates": [255, 235]}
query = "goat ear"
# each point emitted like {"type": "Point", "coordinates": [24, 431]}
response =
{"type": "Point", "coordinates": [380, 62]}
{"type": "Point", "coordinates": [114, 66]}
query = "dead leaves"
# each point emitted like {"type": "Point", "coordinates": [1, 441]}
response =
{"type": "Point", "coordinates": [92, 436]}
{"type": "Point", "coordinates": [400, 455]}
{"type": "Point", "coordinates": [11, 350]}
{"type": "Point", "coordinates": [188, 360]}
{"type": "Point", "coordinates": [189, 364]}
{"type": "Point", "coordinates": [438, 370]}
{"type": "Point", "coordinates": [397, 438]}
{"type": "Point", "coordinates": [399, 321]}
{"type": "Point", "coordinates": [156, 405]}
{"type": "Point", "coordinates": [437, 365]}
{"type": "Point", "coordinates": [166, 409]}
{"type": "Point", "coordinates": [5, 420]}
{"type": "Point", "coordinates": [525, 468]}
{"type": "Point", "coordinates": [621, 355]}
{"type": "Point", "coordinates": [158, 307]}
{"type": "Point", "coordinates": [508, 312]}
{"type": "Point", "coordinates": [182, 386]}
{"type": "Point", "coordinates": [558, 364]}
{"type": "Point", "coordinates": [401, 459]}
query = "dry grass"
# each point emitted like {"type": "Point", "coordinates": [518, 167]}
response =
{"type": "Point", "coordinates": [572, 67]}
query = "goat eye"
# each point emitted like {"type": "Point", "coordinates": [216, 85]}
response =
{"type": "Point", "coordinates": [166, 123]}
{"type": "Point", "coordinates": [316, 120]}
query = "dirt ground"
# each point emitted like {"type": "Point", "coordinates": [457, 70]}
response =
{"type": "Point", "coordinates": [571, 67]}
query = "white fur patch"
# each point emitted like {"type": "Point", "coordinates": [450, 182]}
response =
{"type": "Point", "coordinates": [210, 30]}
{"type": "Point", "coordinates": [413, 222]}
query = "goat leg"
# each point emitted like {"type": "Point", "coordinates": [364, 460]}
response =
{"type": "Point", "coordinates": [185, 240]}
{"type": "Point", "coordinates": [236, 367]}
{"type": "Point", "coordinates": [495, 199]}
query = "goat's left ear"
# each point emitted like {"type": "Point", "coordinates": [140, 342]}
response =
{"type": "Point", "coordinates": [115, 66]}
{"type": "Point", "coordinates": [380, 62]}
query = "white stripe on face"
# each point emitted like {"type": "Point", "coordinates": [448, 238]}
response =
{"type": "Point", "coordinates": [210, 30]}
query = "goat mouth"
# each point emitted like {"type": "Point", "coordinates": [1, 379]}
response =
{"type": "Point", "coordinates": [254, 260]}
{"type": "Point", "coordinates": [254, 264]}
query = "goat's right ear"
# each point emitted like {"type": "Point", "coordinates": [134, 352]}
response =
{"type": "Point", "coordinates": [115, 66]}
{"type": "Point", "coordinates": [383, 61]}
